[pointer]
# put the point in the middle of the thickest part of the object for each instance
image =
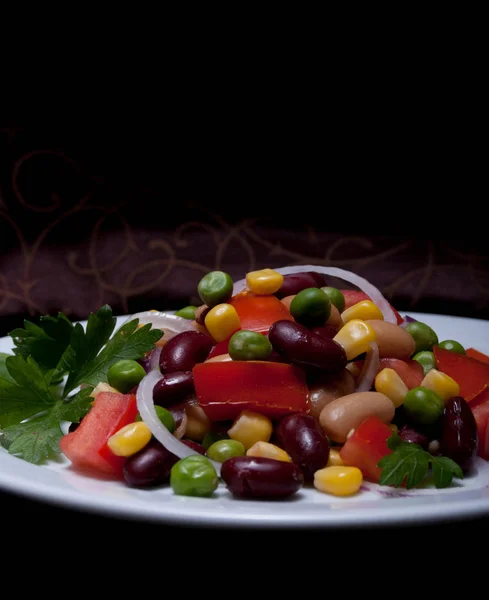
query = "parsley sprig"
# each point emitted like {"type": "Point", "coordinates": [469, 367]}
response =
{"type": "Point", "coordinates": [40, 382]}
{"type": "Point", "coordinates": [409, 464]}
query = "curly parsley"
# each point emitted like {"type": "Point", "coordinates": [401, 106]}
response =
{"type": "Point", "coordinates": [49, 363]}
{"type": "Point", "coordinates": [409, 464]}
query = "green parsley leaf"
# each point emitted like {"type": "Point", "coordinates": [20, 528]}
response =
{"type": "Point", "coordinates": [444, 469]}
{"type": "Point", "coordinates": [409, 464]}
{"type": "Point", "coordinates": [34, 440]}
{"type": "Point", "coordinates": [129, 342]}
{"type": "Point", "coordinates": [45, 342]}
{"type": "Point", "coordinates": [4, 374]}
{"type": "Point", "coordinates": [25, 394]}
{"type": "Point", "coordinates": [32, 409]}
{"type": "Point", "coordinates": [75, 407]}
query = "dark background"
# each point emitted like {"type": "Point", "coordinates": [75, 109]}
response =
{"type": "Point", "coordinates": [133, 215]}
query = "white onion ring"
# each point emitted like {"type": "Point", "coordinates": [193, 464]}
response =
{"type": "Point", "coordinates": [146, 408]}
{"type": "Point", "coordinates": [182, 427]}
{"type": "Point", "coordinates": [154, 359]}
{"type": "Point", "coordinates": [374, 293]}
{"type": "Point", "coordinates": [369, 369]}
{"type": "Point", "coordinates": [163, 320]}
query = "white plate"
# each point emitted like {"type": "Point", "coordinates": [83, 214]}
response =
{"type": "Point", "coordinates": [57, 483]}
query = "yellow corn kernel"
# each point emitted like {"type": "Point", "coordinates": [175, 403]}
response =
{"type": "Point", "coordinates": [130, 439]}
{"type": "Point", "coordinates": [268, 450]}
{"type": "Point", "coordinates": [250, 427]}
{"type": "Point", "coordinates": [222, 321]}
{"type": "Point", "coordinates": [389, 382]}
{"type": "Point", "coordinates": [338, 480]}
{"type": "Point", "coordinates": [265, 281]}
{"type": "Point", "coordinates": [365, 309]}
{"type": "Point", "coordinates": [355, 337]}
{"type": "Point", "coordinates": [335, 459]}
{"type": "Point", "coordinates": [441, 383]}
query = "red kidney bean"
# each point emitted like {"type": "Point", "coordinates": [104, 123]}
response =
{"type": "Point", "coordinates": [328, 331]}
{"type": "Point", "coordinates": [410, 434]}
{"type": "Point", "coordinates": [201, 313]}
{"type": "Point", "coordinates": [260, 477]}
{"type": "Point", "coordinates": [183, 351]}
{"type": "Point", "coordinates": [150, 466]}
{"type": "Point", "coordinates": [459, 439]}
{"type": "Point", "coordinates": [296, 282]}
{"type": "Point", "coordinates": [300, 346]}
{"type": "Point", "coordinates": [173, 388]}
{"type": "Point", "coordinates": [303, 439]}
{"type": "Point", "coordinates": [194, 445]}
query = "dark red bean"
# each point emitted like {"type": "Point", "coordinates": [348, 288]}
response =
{"type": "Point", "coordinates": [328, 331]}
{"type": "Point", "coordinates": [259, 477]}
{"type": "Point", "coordinates": [183, 351]}
{"type": "Point", "coordinates": [173, 388]}
{"type": "Point", "coordinates": [150, 466]}
{"type": "Point", "coordinates": [201, 313]}
{"type": "Point", "coordinates": [459, 439]}
{"type": "Point", "coordinates": [410, 434]}
{"type": "Point", "coordinates": [303, 439]}
{"type": "Point", "coordinates": [296, 282]}
{"type": "Point", "coordinates": [194, 445]}
{"type": "Point", "coordinates": [300, 346]}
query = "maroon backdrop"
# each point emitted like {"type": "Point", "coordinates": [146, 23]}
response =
{"type": "Point", "coordinates": [89, 217]}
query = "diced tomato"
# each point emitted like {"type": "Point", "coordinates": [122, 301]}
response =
{"type": "Point", "coordinates": [86, 447]}
{"type": "Point", "coordinates": [480, 410]}
{"type": "Point", "coordinates": [258, 313]}
{"type": "Point", "coordinates": [366, 446]}
{"type": "Point", "coordinates": [219, 348]}
{"type": "Point", "coordinates": [410, 371]}
{"type": "Point", "coordinates": [354, 296]}
{"type": "Point", "coordinates": [473, 353]}
{"type": "Point", "coordinates": [224, 389]}
{"type": "Point", "coordinates": [471, 374]}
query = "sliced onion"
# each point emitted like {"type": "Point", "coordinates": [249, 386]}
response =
{"type": "Point", "coordinates": [146, 408]}
{"type": "Point", "coordinates": [182, 427]}
{"type": "Point", "coordinates": [370, 369]}
{"type": "Point", "coordinates": [365, 286]}
{"type": "Point", "coordinates": [154, 359]}
{"type": "Point", "coordinates": [163, 320]}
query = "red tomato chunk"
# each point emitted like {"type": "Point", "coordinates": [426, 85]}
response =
{"type": "Point", "coordinates": [366, 446]}
{"type": "Point", "coordinates": [224, 389]}
{"type": "Point", "coordinates": [86, 447]}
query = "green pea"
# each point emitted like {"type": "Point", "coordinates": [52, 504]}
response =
{"type": "Point", "coordinates": [194, 475]}
{"type": "Point", "coordinates": [224, 449]}
{"type": "Point", "coordinates": [311, 307]}
{"type": "Point", "coordinates": [335, 296]}
{"type": "Point", "coordinates": [215, 287]}
{"type": "Point", "coordinates": [187, 312]}
{"type": "Point", "coordinates": [213, 436]}
{"type": "Point", "coordinates": [125, 374]}
{"type": "Point", "coordinates": [453, 346]}
{"type": "Point", "coordinates": [423, 405]}
{"type": "Point", "coordinates": [165, 416]}
{"type": "Point", "coordinates": [426, 359]}
{"type": "Point", "coordinates": [424, 336]}
{"type": "Point", "coordinates": [249, 345]}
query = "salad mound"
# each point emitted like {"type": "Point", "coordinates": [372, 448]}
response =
{"type": "Point", "coordinates": [274, 382]}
